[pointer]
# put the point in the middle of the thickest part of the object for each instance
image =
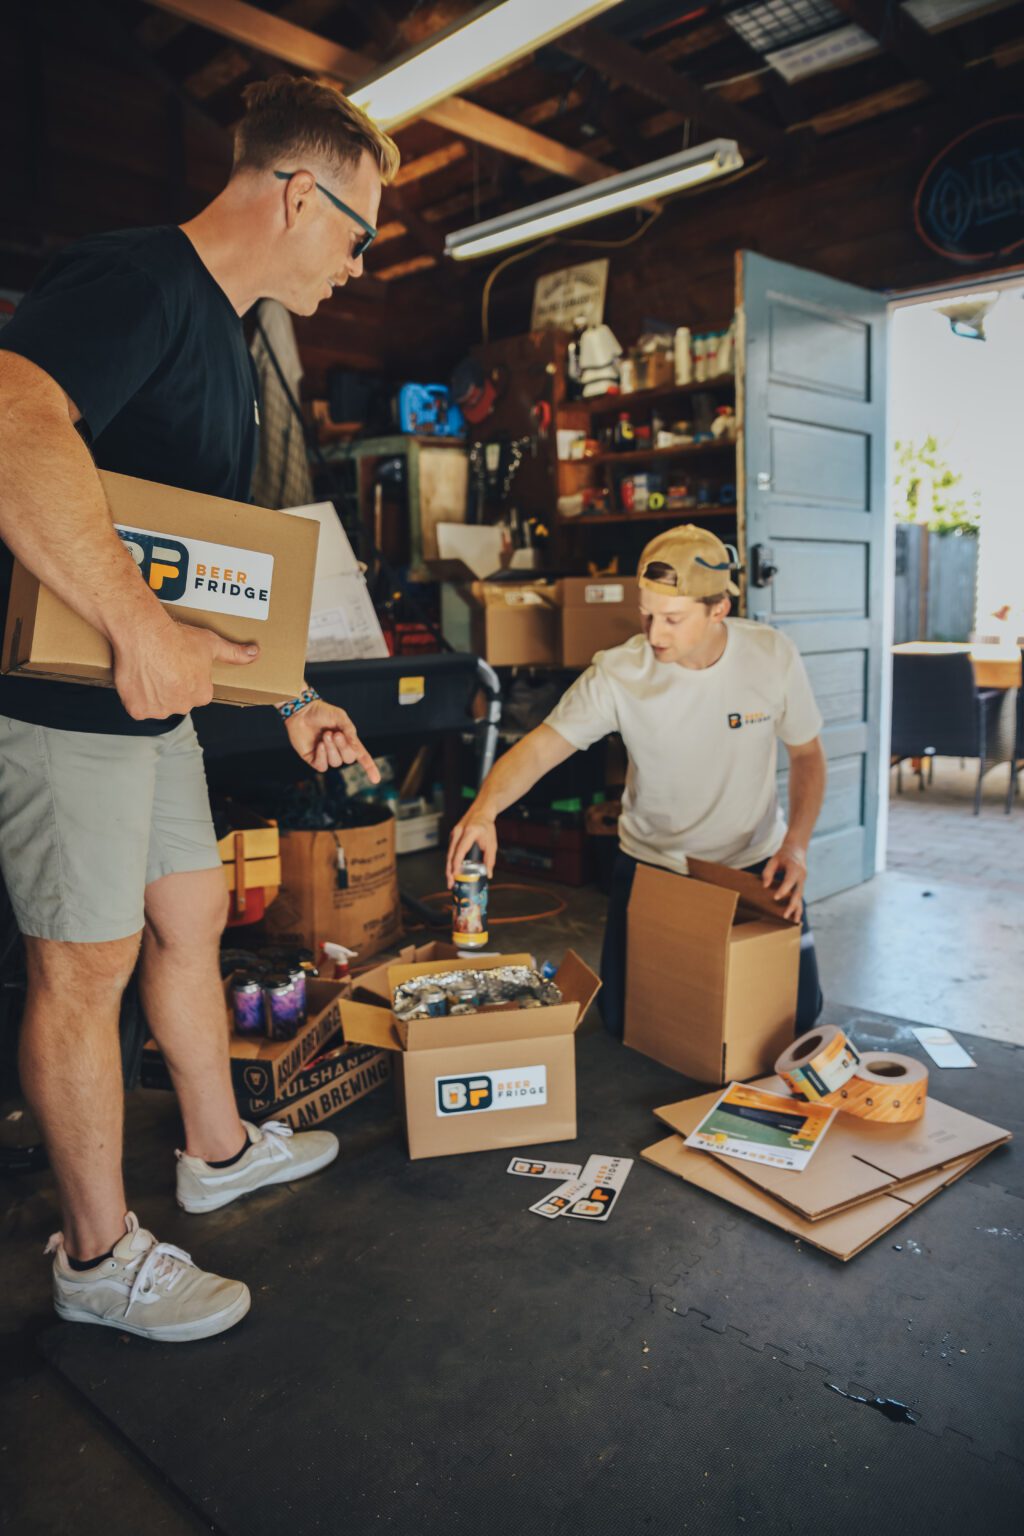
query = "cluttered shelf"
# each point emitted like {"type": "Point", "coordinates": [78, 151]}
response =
{"type": "Point", "coordinates": [661, 515]}
{"type": "Point", "coordinates": [676, 451]}
{"type": "Point", "coordinates": [603, 405]}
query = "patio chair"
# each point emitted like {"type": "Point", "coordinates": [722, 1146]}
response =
{"type": "Point", "coordinates": [937, 711]}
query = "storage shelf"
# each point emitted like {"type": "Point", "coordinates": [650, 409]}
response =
{"type": "Point", "coordinates": [678, 515]}
{"type": "Point", "coordinates": [603, 405]}
{"type": "Point", "coordinates": [644, 455]}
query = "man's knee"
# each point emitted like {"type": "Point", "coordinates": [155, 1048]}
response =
{"type": "Point", "coordinates": [187, 910]}
{"type": "Point", "coordinates": [85, 972]}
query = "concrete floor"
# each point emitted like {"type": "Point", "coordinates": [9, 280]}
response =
{"type": "Point", "coordinates": [950, 957]}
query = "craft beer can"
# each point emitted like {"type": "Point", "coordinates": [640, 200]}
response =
{"type": "Point", "coordinates": [282, 1007]}
{"type": "Point", "coordinates": [247, 1006]}
{"type": "Point", "coordinates": [469, 905]}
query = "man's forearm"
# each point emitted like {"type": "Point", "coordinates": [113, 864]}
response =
{"type": "Point", "coordinates": [519, 769]}
{"type": "Point", "coordinates": [55, 520]}
{"type": "Point", "coordinates": [806, 793]}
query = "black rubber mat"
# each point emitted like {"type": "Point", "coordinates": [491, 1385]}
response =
{"type": "Point", "coordinates": [424, 1355]}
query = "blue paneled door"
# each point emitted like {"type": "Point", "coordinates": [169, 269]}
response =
{"type": "Point", "coordinates": [813, 363]}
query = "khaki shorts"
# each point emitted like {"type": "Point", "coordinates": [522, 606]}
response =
{"type": "Point", "coordinates": [87, 821]}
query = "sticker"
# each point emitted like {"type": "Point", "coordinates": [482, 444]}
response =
{"type": "Point", "coordinates": [526, 599]}
{"type": "Point", "coordinates": [478, 1092]}
{"type": "Point", "coordinates": [605, 592]}
{"type": "Point", "coordinates": [218, 578]}
{"type": "Point", "coordinates": [527, 1168]}
{"type": "Point", "coordinates": [411, 690]}
{"type": "Point", "coordinates": [592, 1195]}
{"type": "Point", "coordinates": [943, 1048]}
{"type": "Point", "coordinates": [559, 1200]}
{"type": "Point", "coordinates": [602, 1180]}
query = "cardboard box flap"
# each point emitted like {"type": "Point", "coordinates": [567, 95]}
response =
{"type": "Point", "coordinates": [748, 887]}
{"type": "Point", "coordinates": [705, 912]}
{"type": "Point", "coordinates": [577, 982]}
{"type": "Point", "coordinates": [495, 1024]}
{"type": "Point", "coordinates": [363, 1024]}
{"type": "Point", "coordinates": [501, 594]}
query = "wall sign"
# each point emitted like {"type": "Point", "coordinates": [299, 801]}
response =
{"type": "Point", "coordinates": [558, 297]}
{"type": "Point", "coordinates": [969, 205]}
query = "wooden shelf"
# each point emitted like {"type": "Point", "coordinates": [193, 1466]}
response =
{"type": "Point", "coordinates": [678, 515]}
{"type": "Point", "coordinates": [644, 455]}
{"type": "Point", "coordinates": [603, 405]}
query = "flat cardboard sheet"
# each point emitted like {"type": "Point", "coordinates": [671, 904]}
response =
{"type": "Point", "coordinates": [857, 1160]}
{"type": "Point", "coordinates": [844, 1234]}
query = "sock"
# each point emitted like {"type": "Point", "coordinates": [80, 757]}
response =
{"type": "Point", "coordinates": [88, 1263]}
{"type": "Point", "coordinates": [227, 1161]}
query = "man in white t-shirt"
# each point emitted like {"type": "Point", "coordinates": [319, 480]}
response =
{"type": "Point", "coordinates": [700, 701]}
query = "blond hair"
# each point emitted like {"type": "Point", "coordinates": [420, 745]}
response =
{"type": "Point", "coordinates": [288, 117]}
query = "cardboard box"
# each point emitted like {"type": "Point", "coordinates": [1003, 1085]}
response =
{"type": "Point", "coordinates": [332, 1082]}
{"type": "Point", "coordinates": [499, 1078]}
{"type": "Point", "coordinates": [596, 615]}
{"type": "Point", "coordinates": [261, 1069]}
{"type": "Point", "coordinates": [243, 571]}
{"type": "Point", "coordinates": [711, 976]}
{"type": "Point", "coordinates": [857, 1159]}
{"type": "Point", "coordinates": [365, 915]}
{"type": "Point", "coordinates": [509, 624]}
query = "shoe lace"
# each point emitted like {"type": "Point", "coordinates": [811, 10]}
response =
{"type": "Point", "coordinates": [277, 1133]}
{"type": "Point", "coordinates": [161, 1265]}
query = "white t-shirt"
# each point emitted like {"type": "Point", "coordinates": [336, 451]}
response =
{"type": "Point", "coordinates": [702, 745]}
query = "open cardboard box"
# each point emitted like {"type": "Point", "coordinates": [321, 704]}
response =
{"type": "Point", "coordinates": [712, 972]}
{"type": "Point", "coordinates": [498, 1078]}
{"type": "Point", "coordinates": [243, 571]}
{"type": "Point", "coordinates": [508, 623]}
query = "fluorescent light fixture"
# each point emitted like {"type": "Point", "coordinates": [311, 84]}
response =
{"type": "Point", "coordinates": [657, 179]}
{"type": "Point", "coordinates": [472, 49]}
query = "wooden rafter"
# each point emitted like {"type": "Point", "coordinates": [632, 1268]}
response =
{"type": "Point", "coordinates": [282, 39]}
{"type": "Point", "coordinates": [929, 58]}
{"type": "Point", "coordinates": [650, 76]}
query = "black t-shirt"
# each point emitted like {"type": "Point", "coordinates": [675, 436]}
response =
{"type": "Point", "coordinates": [137, 332]}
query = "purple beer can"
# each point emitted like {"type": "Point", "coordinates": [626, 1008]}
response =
{"type": "Point", "coordinates": [297, 977]}
{"type": "Point", "coordinates": [281, 1003]}
{"type": "Point", "coordinates": [247, 1006]}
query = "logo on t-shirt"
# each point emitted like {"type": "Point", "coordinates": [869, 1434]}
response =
{"type": "Point", "coordinates": [735, 721]}
{"type": "Point", "coordinates": [752, 717]}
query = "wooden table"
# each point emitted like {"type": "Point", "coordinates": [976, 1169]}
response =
{"type": "Point", "coordinates": [995, 666]}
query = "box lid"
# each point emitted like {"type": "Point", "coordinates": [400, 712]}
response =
{"type": "Point", "coordinates": [749, 889]}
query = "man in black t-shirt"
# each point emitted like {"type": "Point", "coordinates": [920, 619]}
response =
{"type": "Point", "coordinates": [129, 355]}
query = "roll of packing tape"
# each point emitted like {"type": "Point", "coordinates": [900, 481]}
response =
{"type": "Point", "coordinates": [886, 1088]}
{"type": "Point", "coordinates": [818, 1063]}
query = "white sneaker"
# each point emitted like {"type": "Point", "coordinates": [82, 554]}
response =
{"type": "Point", "coordinates": [148, 1288]}
{"type": "Point", "coordinates": [275, 1156]}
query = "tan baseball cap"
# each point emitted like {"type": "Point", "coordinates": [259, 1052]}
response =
{"type": "Point", "coordinates": [688, 562]}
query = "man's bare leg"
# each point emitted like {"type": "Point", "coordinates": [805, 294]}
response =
{"type": "Point", "coordinates": [70, 1068]}
{"type": "Point", "coordinates": [183, 999]}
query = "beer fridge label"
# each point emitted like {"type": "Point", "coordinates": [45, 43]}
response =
{"type": "Point", "coordinates": [193, 573]}
{"type": "Point", "coordinates": [533, 1168]}
{"type": "Point", "coordinates": [479, 1092]}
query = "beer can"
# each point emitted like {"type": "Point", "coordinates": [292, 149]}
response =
{"type": "Point", "coordinates": [297, 977]}
{"type": "Point", "coordinates": [434, 1001]}
{"type": "Point", "coordinates": [469, 905]}
{"type": "Point", "coordinates": [281, 1010]}
{"type": "Point", "coordinates": [247, 1006]}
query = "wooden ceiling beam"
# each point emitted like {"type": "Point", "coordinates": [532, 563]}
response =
{"type": "Point", "coordinates": [927, 57]}
{"type": "Point", "coordinates": [247, 25]}
{"type": "Point", "coordinates": [649, 76]}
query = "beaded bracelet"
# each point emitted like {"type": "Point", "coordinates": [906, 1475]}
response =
{"type": "Point", "coordinates": [307, 696]}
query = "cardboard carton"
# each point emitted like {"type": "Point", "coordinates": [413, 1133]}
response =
{"type": "Point", "coordinates": [711, 976]}
{"type": "Point", "coordinates": [261, 1069]}
{"type": "Point", "coordinates": [509, 624]}
{"type": "Point", "coordinates": [596, 615]}
{"type": "Point", "coordinates": [498, 1078]}
{"type": "Point", "coordinates": [364, 914]}
{"type": "Point", "coordinates": [858, 1159]}
{"type": "Point", "coordinates": [242, 571]}
{"type": "Point", "coordinates": [844, 1234]}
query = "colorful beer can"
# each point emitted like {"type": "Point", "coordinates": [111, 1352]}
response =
{"type": "Point", "coordinates": [247, 1006]}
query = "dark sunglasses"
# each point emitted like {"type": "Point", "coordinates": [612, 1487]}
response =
{"type": "Point", "coordinates": [364, 242]}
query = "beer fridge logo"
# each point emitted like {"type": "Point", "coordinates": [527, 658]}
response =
{"type": "Point", "coordinates": [516, 1088]}
{"type": "Point", "coordinates": [216, 578]}
{"type": "Point", "coordinates": [735, 721]}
